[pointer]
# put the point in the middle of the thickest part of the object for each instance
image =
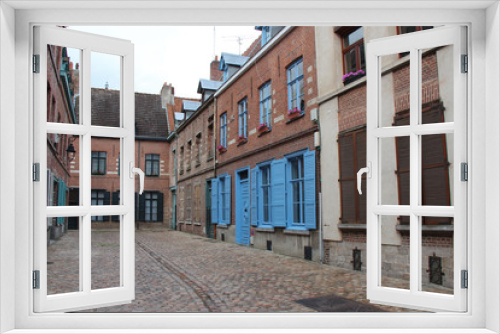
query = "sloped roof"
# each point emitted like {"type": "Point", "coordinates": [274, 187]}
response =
{"type": "Point", "coordinates": [232, 59]}
{"type": "Point", "coordinates": [208, 84]}
{"type": "Point", "coordinates": [150, 118]}
{"type": "Point", "coordinates": [190, 105]}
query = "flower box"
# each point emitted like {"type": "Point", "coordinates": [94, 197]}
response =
{"type": "Point", "coordinates": [352, 76]}
{"type": "Point", "coordinates": [295, 112]}
{"type": "Point", "coordinates": [221, 149]}
{"type": "Point", "coordinates": [242, 140]}
{"type": "Point", "coordinates": [263, 128]}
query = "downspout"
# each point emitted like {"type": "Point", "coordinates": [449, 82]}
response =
{"type": "Point", "coordinates": [215, 152]}
{"type": "Point", "coordinates": [138, 185]}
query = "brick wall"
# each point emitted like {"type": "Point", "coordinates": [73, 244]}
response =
{"type": "Point", "coordinates": [111, 180]}
{"type": "Point", "coordinates": [197, 167]}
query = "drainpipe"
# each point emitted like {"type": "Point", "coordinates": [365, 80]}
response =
{"type": "Point", "coordinates": [215, 151]}
{"type": "Point", "coordinates": [320, 231]}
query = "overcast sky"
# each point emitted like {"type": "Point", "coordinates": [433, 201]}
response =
{"type": "Point", "coordinates": [177, 55]}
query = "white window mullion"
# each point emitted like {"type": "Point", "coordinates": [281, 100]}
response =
{"type": "Point", "coordinates": [415, 170]}
{"type": "Point", "coordinates": [85, 172]}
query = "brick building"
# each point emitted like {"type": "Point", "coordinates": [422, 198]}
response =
{"type": "Point", "coordinates": [267, 168]}
{"type": "Point", "coordinates": [62, 85]}
{"type": "Point", "coordinates": [342, 105]}
{"type": "Point", "coordinates": [151, 150]}
{"type": "Point", "coordinates": [192, 150]}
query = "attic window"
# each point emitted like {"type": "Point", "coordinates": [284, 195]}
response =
{"type": "Point", "coordinates": [198, 135]}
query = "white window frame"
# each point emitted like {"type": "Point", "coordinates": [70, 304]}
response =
{"type": "Point", "coordinates": [483, 100]}
{"type": "Point", "coordinates": [376, 130]}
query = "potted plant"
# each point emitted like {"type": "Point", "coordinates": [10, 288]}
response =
{"type": "Point", "coordinates": [352, 76]}
{"type": "Point", "coordinates": [293, 113]}
{"type": "Point", "coordinates": [221, 149]}
{"type": "Point", "coordinates": [263, 128]}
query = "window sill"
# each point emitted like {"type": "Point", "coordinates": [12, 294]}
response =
{"type": "Point", "coordinates": [187, 222]}
{"type": "Point", "coordinates": [224, 227]}
{"type": "Point", "coordinates": [352, 227]}
{"type": "Point", "coordinates": [430, 230]}
{"type": "Point", "coordinates": [242, 142]}
{"type": "Point", "coordinates": [188, 169]}
{"type": "Point", "coordinates": [297, 232]}
{"type": "Point", "coordinates": [264, 132]}
{"type": "Point", "coordinates": [198, 164]}
{"type": "Point", "coordinates": [197, 223]}
{"type": "Point", "coordinates": [293, 119]}
{"type": "Point", "coordinates": [265, 229]}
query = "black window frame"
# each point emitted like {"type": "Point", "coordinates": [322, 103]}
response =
{"type": "Point", "coordinates": [154, 161]}
{"type": "Point", "coordinates": [98, 156]}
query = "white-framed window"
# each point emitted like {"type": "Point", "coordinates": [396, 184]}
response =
{"type": "Point", "coordinates": [417, 134]}
{"type": "Point", "coordinates": [95, 204]}
{"type": "Point", "coordinates": [223, 130]}
{"type": "Point", "coordinates": [480, 41]}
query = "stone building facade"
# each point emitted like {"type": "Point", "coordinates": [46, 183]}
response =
{"type": "Point", "coordinates": [342, 109]}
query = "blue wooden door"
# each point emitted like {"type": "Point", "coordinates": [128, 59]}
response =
{"type": "Point", "coordinates": [243, 209]}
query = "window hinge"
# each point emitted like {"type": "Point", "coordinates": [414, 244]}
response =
{"type": "Point", "coordinates": [36, 172]}
{"type": "Point", "coordinates": [36, 63]}
{"type": "Point", "coordinates": [464, 171]}
{"type": "Point", "coordinates": [465, 64]}
{"type": "Point", "coordinates": [36, 279]}
{"type": "Point", "coordinates": [465, 279]}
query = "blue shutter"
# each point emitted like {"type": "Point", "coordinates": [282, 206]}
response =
{"type": "Point", "coordinates": [61, 198]}
{"type": "Point", "coordinates": [215, 202]}
{"type": "Point", "coordinates": [253, 197]}
{"type": "Point", "coordinates": [310, 190]}
{"type": "Point", "coordinates": [228, 199]}
{"type": "Point", "coordinates": [278, 193]}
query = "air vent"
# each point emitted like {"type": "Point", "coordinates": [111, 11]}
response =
{"type": "Point", "coordinates": [356, 259]}
{"type": "Point", "coordinates": [308, 252]}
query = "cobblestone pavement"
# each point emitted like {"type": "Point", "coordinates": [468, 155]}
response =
{"type": "Point", "coordinates": [179, 272]}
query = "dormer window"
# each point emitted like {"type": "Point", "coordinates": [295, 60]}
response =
{"type": "Point", "coordinates": [230, 64]}
{"type": "Point", "coordinates": [266, 35]}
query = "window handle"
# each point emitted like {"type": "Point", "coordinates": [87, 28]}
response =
{"type": "Point", "coordinates": [134, 170]}
{"type": "Point", "coordinates": [368, 171]}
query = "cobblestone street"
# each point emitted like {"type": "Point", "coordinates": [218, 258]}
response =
{"type": "Point", "coordinates": [179, 272]}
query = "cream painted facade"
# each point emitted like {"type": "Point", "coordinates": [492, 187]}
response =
{"type": "Point", "coordinates": [339, 250]}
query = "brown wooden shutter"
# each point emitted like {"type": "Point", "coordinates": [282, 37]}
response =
{"type": "Point", "coordinates": [435, 174]}
{"type": "Point", "coordinates": [360, 147]}
{"type": "Point", "coordinates": [347, 183]}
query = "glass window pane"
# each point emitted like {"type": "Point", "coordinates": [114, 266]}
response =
{"type": "Point", "coordinates": [300, 70]}
{"type": "Point", "coordinates": [63, 84]}
{"type": "Point", "coordinates": [105, 89]}
{"type": "Point", "coordinates": [394, 94]}
{"type": "Point", "coordinates": [437, 86]}
{"type": "Point", "coordinates": [395, 252]}
{"type": "Point", "coordinates": [437, 260]}
{"type": "Point", "coordinates": [353, 37]}
{"type": "Point", "coordinates": [395, 170]}
{"type": "Point", "coordinates": [105, 261]}
{"type": "Point", "coordinates": [106, 169]}
{"type": "Point", "coordinates": [63, 255]}
{"type": "Point", "coordinates": [63, 174]}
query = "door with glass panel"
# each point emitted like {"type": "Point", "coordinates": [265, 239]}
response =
{"type": "Point", "coordinates": [416, 153]}
{"type": "Point", "coordinates": [83, 158]}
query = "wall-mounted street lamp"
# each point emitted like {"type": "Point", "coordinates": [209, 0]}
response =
{"type": "Point", "coordinates": [71, 152]}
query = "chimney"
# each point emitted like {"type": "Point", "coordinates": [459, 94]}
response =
{"type": "Point", "coordinates": [167, 95]}
{"type": "Point", "coordinates": [215, 73]}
